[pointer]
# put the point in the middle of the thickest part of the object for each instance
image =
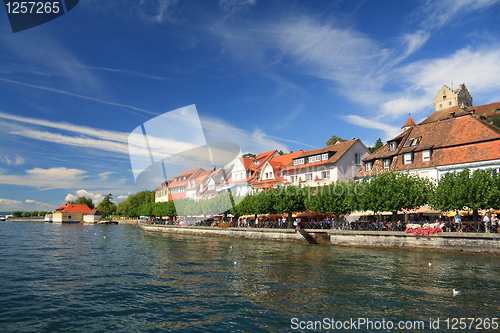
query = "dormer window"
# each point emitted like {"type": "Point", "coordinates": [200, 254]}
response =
{"type": "Point", "coordinates": [324, 156]}
{"type": "Point", "coordinates": [412, 142]}
{"type": "Point", "coordinates": [392, 146]}
{"type": "Point", "coordinates": [368, 166]}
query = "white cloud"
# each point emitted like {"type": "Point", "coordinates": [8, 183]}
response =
{"type": "Point", "coordinates": [60, 177]}
{"type": "Point", "coordinates": [29, 201]}
{"type": "Point", "coordinates": [7, 205]}
{"type": "Point", "coordinates": [390, 131]}
{"type": "Point", "coordinates": [96, 197]}
{"type": "Point", "coordinates": [121, 197]}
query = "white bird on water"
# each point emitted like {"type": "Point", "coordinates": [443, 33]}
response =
{"type": "Point", "coordinates": [430, 264]}
{"type": "Point", "coordinates": [456, 292]}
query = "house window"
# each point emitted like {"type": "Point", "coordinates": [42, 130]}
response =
{"type": "Point", "coordinates": [293, 179]}
{"type": "Point", "coordinates": [281, 174]}
{"type": "Point", "coordinates": [387, 163]}
{"type": "Point", "coordinates": [309, 177]}
{"type": "Point", "coordinates": [312, 159]}
{"type": "Point", "coordinates": [408, 158]}
{"type": "Point", "coordinates": [298, 161]}
{"type": "Point", "coordinates": [368, 166]}
{"type": "Point", "coordinates": [357, 159]}
{"type": "Point", "coordinates": [449, 103]}
{"type": "Point", "coordinates": [324, 157]}
{"type": "Point", "coordinates": [392, 146]}
{"type": "Point", "coordinates": [325, 174]}
{"type": "Point", "coordinates": [426, 155]}
{"type": "Point", "coordinates": [318, 158]}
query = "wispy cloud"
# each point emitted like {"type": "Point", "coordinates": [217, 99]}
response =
{"type": "Point", "coordinates": [232, 7]}
{"type": "Point", "coordinates": [389, 131]}
{"type": "Point", "coordinates": [17, 160]}
{"type": "Point", "coordinates": [58, 91]}
{"type": "Point", "coordinates": [60, 177]}
{"type": "Point", "coordinates": [128, 72]}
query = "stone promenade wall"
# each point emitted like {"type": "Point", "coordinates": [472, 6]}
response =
{"type": "Point", "coordinates": [467, 243]}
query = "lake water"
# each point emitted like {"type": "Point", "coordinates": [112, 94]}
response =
{"type": "Point", "coordinates": [98, 278]}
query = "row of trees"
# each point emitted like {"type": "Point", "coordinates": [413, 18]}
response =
{"type": "Point", "coordinates": [34, 213]}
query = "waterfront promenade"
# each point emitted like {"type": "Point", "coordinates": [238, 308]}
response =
{"type": "Point", "coordinates": [449, 242]}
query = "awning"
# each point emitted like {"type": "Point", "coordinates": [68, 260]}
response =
{"type": "Point", "coordinates": [425, 210]}
{"type": "Point", "coordinates": [369, 213]}
{"type": "Point", "coordinates": [264, 186]}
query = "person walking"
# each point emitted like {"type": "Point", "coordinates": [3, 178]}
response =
{"type": "Point", "coordinates": [458, 222]}
{"type": "Point", "coordinates": [494, 223]}
{"type": "Point", "coordinates": [487, 223]}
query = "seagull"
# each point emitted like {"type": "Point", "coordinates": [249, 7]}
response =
{"type": "Point", "coordinates": [230, 246]}
{"type": "Point", "coordinates": [430, 264]}
{"type": "Point", "coordinates": [456, 292]}
{"type": "Point", "coordinates": [234, 262]}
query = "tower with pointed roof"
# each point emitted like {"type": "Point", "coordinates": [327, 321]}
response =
{"type": "Point", "coordinates": [408, 124]}
{"type": "Point", "coordinates": [447, 98]}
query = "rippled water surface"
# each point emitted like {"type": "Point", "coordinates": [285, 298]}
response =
{"type": "Point", "coordinates": [98, 278]}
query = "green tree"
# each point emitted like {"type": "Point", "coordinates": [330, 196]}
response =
{"type": "Point", "coordinates": [378, 144]}
{"type": "Point", "coordinates": [26, 214]}
{"type": "Point", "coordinates": [17, 213]}
{"type": "Point", "coordinates": [495, 120]}
{"type": "Point", "coordinates": [83, 201]}
{"type": "Point", "coordinates": [34, 213]}
{"type": "Point", "coordinates": [393, 192]}
{"type": "Point", "coordinates": [332, 140]}
{"type": "Point", "coordinates": [249, 155]}
{"type": "Point", "coordinates": [129, 206]}
{"type": "Point", "coordinates": [289, 199]}
{"type": "Point", "coordinates": [106, 206]}
{"type": "Point", "coordinates": [336, 198]}
{"type": "Point", "coordinates": [466, 190]}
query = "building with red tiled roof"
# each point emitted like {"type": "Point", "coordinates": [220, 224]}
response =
{"type": "Point", "coordinates": [213, 183]}
{"type": "Point", "coordinates": [246, 171]}
{"type": "Point", "coordinates": [175, 187]}
{"type": "Point", "coordinates": [338, 162]}
{"type": "Point", "coordinates": [70, 213]}
{"type": "Point", "coordinates": [271, 173]}
{"type": "Point", "coordinates": [430, 149]}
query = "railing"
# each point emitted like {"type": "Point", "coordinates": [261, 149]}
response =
{"type": "Point", "coordinates": [448, 226]}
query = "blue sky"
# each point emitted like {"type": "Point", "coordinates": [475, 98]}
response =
{"type": "Point", "coordinates": [268, 74]}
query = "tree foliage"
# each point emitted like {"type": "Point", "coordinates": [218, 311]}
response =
{"type": "Point", "coordinates": [495, 120]}
{"type": "Point", "coordinates": [332, 140]}
{"type": "Point", "coordinates": [249, 155]}
{"type": "Point", "coordinates": [83, 201]}
{"type": "Point", "coordinates": [393, 192]}
{"type": "Point", "coordinates": [378, 144]}
{"type": "Point", "coordinates": [458, 190]}
{"type": "Point", "coordinates": [106, 206]}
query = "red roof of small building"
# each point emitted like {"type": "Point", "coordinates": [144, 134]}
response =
{"type": "Point", "coordinates": [73, 208]}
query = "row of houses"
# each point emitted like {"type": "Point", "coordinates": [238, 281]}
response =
{"type": "Point", "coordinates": [338, 162]}
{"type": "Point", "coordinates": [455, 136]}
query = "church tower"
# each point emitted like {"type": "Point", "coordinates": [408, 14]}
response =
{"type": "Point", "coordinates": [447, 98]}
